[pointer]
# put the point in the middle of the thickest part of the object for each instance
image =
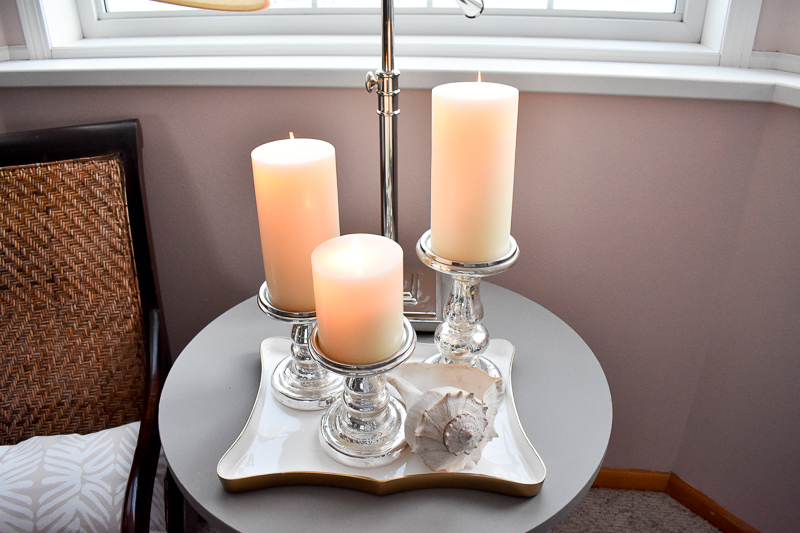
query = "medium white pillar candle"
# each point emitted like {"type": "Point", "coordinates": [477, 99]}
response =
{"type": "Point", "coordinates": [298, 208]}
{"type": "Point", "coordinates": [358, 288]}
{"type": "Point", "coordinates": [474, 137]}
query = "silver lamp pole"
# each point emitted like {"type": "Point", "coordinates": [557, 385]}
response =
{"type": "Point", "coordinates": [422, 290]}
{"type": "Point", "coordinates": [385, 81]}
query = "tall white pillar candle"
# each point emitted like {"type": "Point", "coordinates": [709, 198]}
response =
{"type": "Point", "coordinates": [358, 288]}
{"type": "Point", "coordinates": [298, 208]}
{"type": "Point", "coordinates": [474, 136]}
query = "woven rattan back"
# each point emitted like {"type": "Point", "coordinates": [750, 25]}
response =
{"type": "Point", "coordinates": [72, 329]}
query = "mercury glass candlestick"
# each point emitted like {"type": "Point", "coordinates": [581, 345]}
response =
{"type": "Point", "coordinates": [462, 337]}
{"type": "Point", "coordinates": [364, 427]}
{"type": "Point", "coordinates": [298, 381]}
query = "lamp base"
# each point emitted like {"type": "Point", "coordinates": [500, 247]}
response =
{"type": "Point", "coordinates": [422, 297]}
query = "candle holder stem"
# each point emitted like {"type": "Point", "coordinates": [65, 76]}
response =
{"type": "Point", "coordinates": [298, 381]}
{"type": "Point", "coordinates": [364, 427]}
{"type": "Point", "coordinates": [462, 337]}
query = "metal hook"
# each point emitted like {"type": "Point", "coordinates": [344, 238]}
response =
{"type": "Point", "coordinates": [471, 8]}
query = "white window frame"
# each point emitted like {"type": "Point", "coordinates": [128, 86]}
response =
{"type": "Point", "coordinates": [64, 57]}
{"type": "Point", "coordinates": [74, 29]}
{"type": "Point", "coordinates": [685, 26]}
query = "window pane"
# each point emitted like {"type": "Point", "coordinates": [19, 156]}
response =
{"type": "Point", "coordinates": [645, 6]}
{"type": "Point", "coordinates": [514, 4]}
{"type": "Point", "coordinates": [348, 3]}
{"type": "Point", "coordinates": [121, 6]}
{"type": "Point", "coordinates": [277, 4]}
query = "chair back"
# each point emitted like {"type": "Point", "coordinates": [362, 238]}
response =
{"type": "Point", "coordinates": [76, 281]}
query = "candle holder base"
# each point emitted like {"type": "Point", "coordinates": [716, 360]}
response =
{"type": "Point", "coordinates": [362, 449]}
{"type": "Point", "coordinates": [461, 337]}
{"type": "Point", "coordinates": [298, 382]}
{"type": "Point", "coordinates": [364, 428]}
{"type": "Point", "coordinates": [303, 390]}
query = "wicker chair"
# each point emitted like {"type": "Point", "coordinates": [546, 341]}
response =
{"type": "Point", "coordinates": [82, 340]}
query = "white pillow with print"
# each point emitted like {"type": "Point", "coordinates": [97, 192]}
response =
{"type": "Point", "coordinates": [72, 483]}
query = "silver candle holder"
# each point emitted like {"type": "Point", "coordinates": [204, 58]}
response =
{"type": "Point", "coordinates": [461, 337]}
{"type": "Point", "coordinates": [364, 427]}
{"type": "Point", "coordinates": [298, 381]}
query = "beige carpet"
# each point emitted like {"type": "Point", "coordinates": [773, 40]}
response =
{"type": "Point", "coordinates": [631, 511]}
{"type": "Point", "coordinates": [620, 511]}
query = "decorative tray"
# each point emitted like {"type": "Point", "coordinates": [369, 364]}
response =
{"type": "Point", "coordinates": [280, 446]}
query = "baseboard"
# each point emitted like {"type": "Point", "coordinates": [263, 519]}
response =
{"type": "Point", "coordinates": [615, 478]}
{"type": "Point", "coordinates": [682, 492]}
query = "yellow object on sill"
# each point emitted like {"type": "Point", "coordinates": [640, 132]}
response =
{"type": "Point", "coordinates": [222, 5]}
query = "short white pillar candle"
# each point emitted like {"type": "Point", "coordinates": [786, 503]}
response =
{"type": "Point", "coordinates": [358, 289]}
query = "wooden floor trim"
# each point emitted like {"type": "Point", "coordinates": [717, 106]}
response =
{"type": "Point", "coordinates": [614, 478]}
{"type": "Point", "coordinates": [682, 492]}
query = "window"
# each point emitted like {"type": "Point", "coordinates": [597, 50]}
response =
{"type": "Point", "coordinates": [693, 32]}
{"type": "Point", "coordinates": [630, 20]}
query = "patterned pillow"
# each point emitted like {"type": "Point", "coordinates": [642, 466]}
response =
{"type": "Point", "coordinates": [72, 483]}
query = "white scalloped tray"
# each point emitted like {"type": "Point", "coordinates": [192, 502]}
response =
{"type": "Point", "coordinates": [280, 446]}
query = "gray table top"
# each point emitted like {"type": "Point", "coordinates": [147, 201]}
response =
{"type": "Point", "coordinates": [562, 399]}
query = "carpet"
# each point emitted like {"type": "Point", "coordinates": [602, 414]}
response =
{"type": "Point", "coordinates": [631, 511]}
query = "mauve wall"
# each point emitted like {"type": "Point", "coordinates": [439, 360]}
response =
{"type": "Point", "coordinates": [779, 27]}
{"type": "Point", "coordinates": [664, 231]}
{"type": "Point", "coordinates": [741, 440]}
{"type": "Point", "coordinates": [10, 25]}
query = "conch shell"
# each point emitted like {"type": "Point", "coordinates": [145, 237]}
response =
{"type": "Point", "coordinates": [450, 412]}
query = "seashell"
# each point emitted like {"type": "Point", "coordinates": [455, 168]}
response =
{"type": "Point", "coordinates": [450, 412]}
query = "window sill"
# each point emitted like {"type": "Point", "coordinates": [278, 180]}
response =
{"type": "Point", "coordinates": [532, 75]}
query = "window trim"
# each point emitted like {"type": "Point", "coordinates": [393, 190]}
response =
{"type": "Point", "coordinates": [53, 30]}
{"type": "Point", "coordinates": [65, 39]}
{"type": "Point", "coordinates": [683, 27]}
{"type": "Point", "coordinates": [728, 36]}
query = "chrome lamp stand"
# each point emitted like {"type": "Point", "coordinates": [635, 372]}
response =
{"type": "Point", "coordinates": [421, 286]}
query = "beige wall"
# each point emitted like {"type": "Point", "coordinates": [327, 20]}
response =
{"type": "Point", "coordinates": [740, 443]}
{"type": "Point", "coordinates": [663, 231]}
{"type": "Point", "coordinates": [10, 26]}
{"type": "Point", "coordinates": [779, 27]}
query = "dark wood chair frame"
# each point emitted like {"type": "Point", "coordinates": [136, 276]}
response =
{"type": "Point", "coordinates": [124, 138]}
